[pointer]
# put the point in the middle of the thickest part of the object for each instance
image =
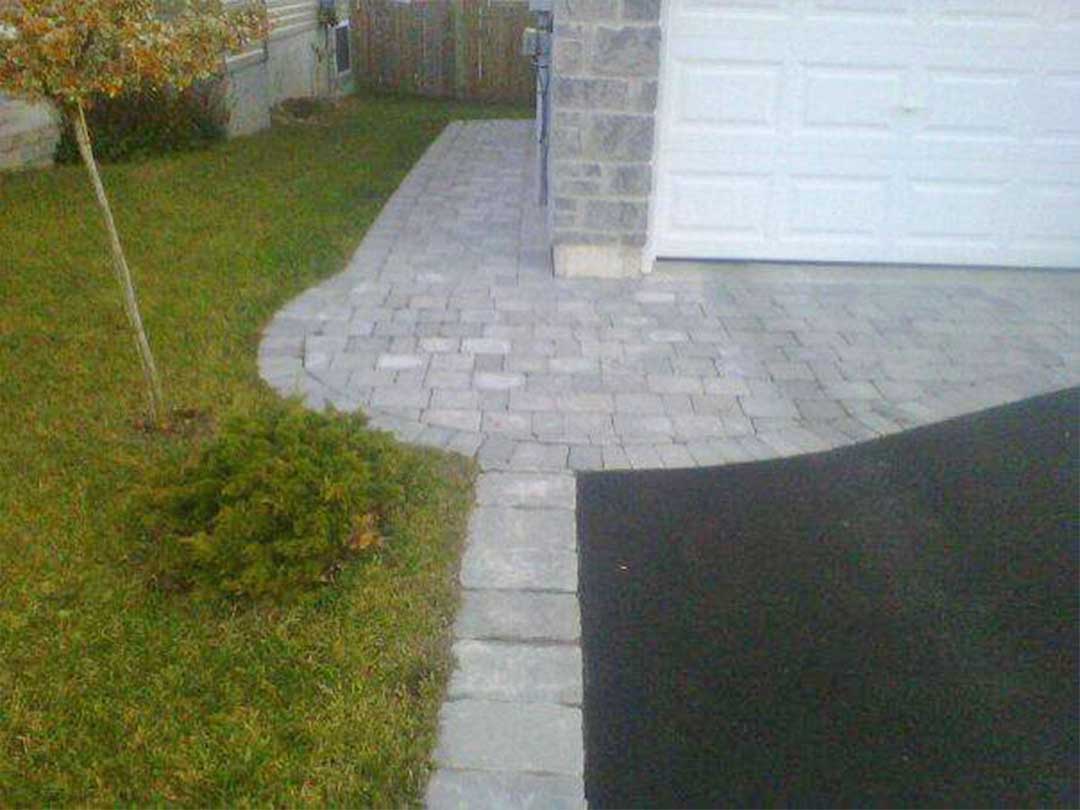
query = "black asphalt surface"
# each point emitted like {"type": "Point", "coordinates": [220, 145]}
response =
{"type": "Point", "coordinates": [888, 624]}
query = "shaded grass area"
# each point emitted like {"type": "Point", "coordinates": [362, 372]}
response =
{"type": "Point", "coordinates": [892, 624]}
{"type": "Point", "coordinates": [111, 692]}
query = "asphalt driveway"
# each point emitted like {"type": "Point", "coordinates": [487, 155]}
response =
{"type": "Point", "coordinates": [889, 624]}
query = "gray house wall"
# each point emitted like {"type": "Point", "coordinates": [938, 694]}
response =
{"type": "Point", "coordinates": [28, 134]}
{"type": "Point", "coordinates": [605, 69]}
{"type": "Point", "coordinates": [295, 62]}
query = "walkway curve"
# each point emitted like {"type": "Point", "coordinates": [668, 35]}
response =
{"type": "Point", "coordinates": [449, 329]}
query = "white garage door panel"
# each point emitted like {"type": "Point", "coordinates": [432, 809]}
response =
{"type": "Point", "coordinates": [874, 217]}
{"type": "Point", "coordinates": [937, 131]}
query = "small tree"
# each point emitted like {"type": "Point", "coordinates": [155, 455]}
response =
{"type": "Point", "coordinates": [70, 52]}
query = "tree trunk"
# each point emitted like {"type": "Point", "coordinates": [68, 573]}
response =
{"type": "Point", "coordinates": [120, 267]}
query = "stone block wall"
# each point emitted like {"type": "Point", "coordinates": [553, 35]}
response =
{"type": "Point", "coordinates": [605, 70]}
{"type": "Point", "coordinates": [28, 134]}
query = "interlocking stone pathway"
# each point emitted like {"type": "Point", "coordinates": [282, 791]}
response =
{"type": "Point", "coordinates": [449, 329]}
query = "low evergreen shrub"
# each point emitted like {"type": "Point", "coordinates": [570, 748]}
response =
{"type": "Point", "coordinates": [274, 505]}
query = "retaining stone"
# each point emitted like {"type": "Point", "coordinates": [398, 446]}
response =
{"type": "Point", "coordinates": [452, 789]}
{"type": "Point", "coordinates": [530, 737]}
{"type": "Point", "coordinates": [521, 673]}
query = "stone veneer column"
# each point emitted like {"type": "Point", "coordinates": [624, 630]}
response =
{"type": "Point", "coordinates": [606, 58]}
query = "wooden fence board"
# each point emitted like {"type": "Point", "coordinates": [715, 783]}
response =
{"type": "Point", "coordinates": [468, 49]}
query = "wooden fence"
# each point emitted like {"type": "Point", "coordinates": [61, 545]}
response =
{"type": "Point", "coordinates": [467, 49]}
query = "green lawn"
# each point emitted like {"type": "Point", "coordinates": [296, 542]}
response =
{"type": "Point", "coordinates": [112, 692]}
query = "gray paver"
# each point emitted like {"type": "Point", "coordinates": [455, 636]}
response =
{"type": "Point", "coordinates": [699, 426]}
{"type": "Point", "coordinates": [714, 452]}
{"type": "Point", "coordinates": [485, 346]}
{"type": "Point", "coordinates": [501, 526]}
{"type": "Point", "coordinates": [536, 456]}
{"type": "Point", "coordinates": [453, 400]}
{"type": "Point", "coordinates": [674, 456]}
{"type": "Point", "coordinates": [519, 424]}
{"type": "Point", "coordinates": [452, 789]}
{"type": "Point", "coordinates": [399, 362]}
{"type": "Point", "coordinates": [449, 380]}
{"type": "Point", "coordinates": [537, 490]}
{"type": "Point", "coordinates": [465, 443]}
{"type": "Point", "coordinates": [586, 458]}
{"type": "Point", "coordinates": [768, 406]}
{"type": "Point", "coordinates": [519, 616]}
{"type": "Point", "coordinates": [494, 381]}
{"type": "Point", "coordinates": [586, 403]}
{"type": "Point", "coordinates": [400, 397]}
{"type": "Point", "coordinates": [636, 429]}
{"type": "Point", "coordinates": [639, 404]}
{"type": "Point", "coordinates": [537, 568]}
{"type": "Point", "coordinates": [512, 671]}
{"type": "Point", "coordinates": [821, 409]}
{"type": "Point", "coordinates": [499, 736]}
{"type": "Point", "coordinates": [457, 419]}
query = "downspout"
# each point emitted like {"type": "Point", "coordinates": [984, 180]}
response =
{"type": "Point", "coordinates": [537, 45]}
{"type": "Point", "coordinates": [543, 89]}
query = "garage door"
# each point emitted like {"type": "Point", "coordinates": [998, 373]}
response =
{"type": "Point", "coordinates": [912, 131]}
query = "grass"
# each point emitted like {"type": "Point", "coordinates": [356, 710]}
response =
{"type": "Point", "coordinates": [112, 692]}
